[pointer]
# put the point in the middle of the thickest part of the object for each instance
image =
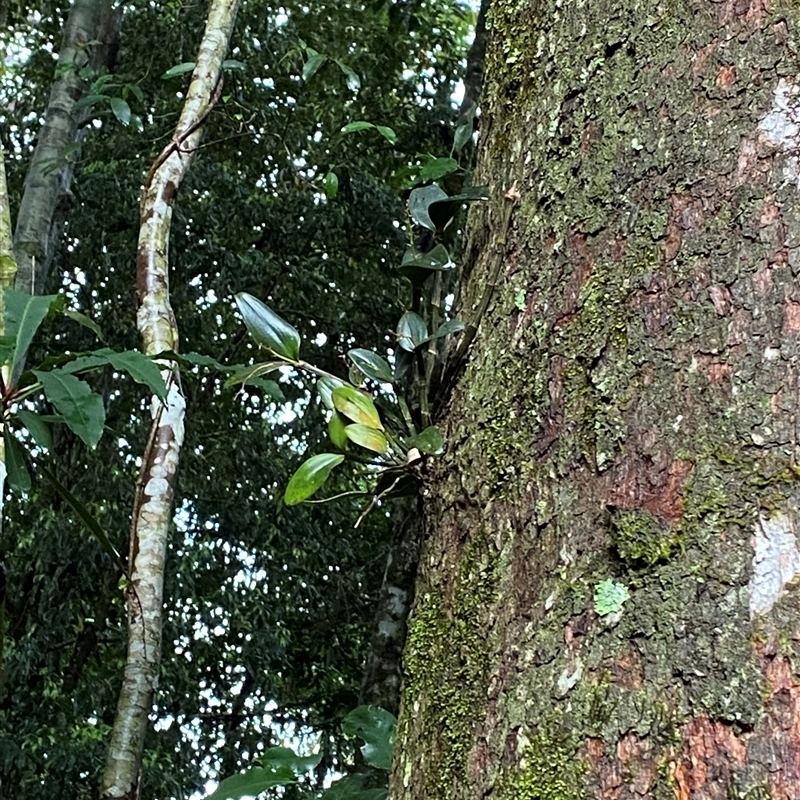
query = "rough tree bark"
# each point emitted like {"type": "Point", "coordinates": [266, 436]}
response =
{"type": "Point", "coordinates": [90, 39]}
{"type": "Point", "coordinates": [152, 513]}
{"type": "Point", "coordinates": [629, 412]}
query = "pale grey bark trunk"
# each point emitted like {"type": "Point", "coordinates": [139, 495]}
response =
{"type": "Point", "coordinates": [89, 39]}
{"type": "Point", "coordinates": [152, 514]}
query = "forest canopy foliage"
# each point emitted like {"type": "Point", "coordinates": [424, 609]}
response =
{"type": "Point", "coordinates": [330, 113]}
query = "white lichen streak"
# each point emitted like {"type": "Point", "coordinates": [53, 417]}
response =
{"type": "Point", "coordinates": [776, 561]}
{"type": "Point", "coordinates": [781, 127]}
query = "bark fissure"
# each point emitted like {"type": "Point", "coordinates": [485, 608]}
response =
{"type": "Point", "coordinates": [152, 513]}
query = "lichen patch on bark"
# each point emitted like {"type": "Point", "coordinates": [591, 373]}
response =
{"type": "Point", "coordinates": [776, 560]}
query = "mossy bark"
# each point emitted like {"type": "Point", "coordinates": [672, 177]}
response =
{"type": "Point", "coordinates": [628, 413]}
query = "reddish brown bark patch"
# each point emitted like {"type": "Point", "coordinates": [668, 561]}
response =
{"type": "Point", "coordinates": [726, 77]}
{"type": "Point", "coordinates": [686, 214]}
{"type": "Point", "coordinates": [629, 771]}
{"type": "Point", "coordinates": [792, 312]}
{"type": "Point", "coordinates": [735, 12]}
{"type": "Point", "coordinates": [641, 481]}
{"type": "Point", "coordinates": [710, 753]}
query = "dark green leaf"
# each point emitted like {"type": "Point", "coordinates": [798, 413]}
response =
{"type": "Point", "coordinates": [419, 202]}
{"type": "Point", "coordinates": [311, 475]}
{"type": "Point", "coordinates": [141, 368]}
{"type": "Point", "coordinates": [430, 441]}
{"type": "Point", "coordinates": [91, 524]}
{"type": "Point", "coordinates": [336, 426]}
{"type": "Point", "coordinates": [24, 314]}
{"type": "Point", "coordinates": [417, 267]}
{"type": "Point", "coordinates": [331, 185]}
{"type": "Point", "coordinates": [443, 210]}
{"type": "Point", "coordinates": [314, 61]}
{"type": "Point", "coordinates": [437, 168]}
{"type": "Point", "coordinates": [371, 364]}
{"type": "Point", "coordinates": [376, 727]}
{"type": "Point", "coordinates": [356, 406]}
{"type": "Point", "coordinates": [270, 387]}
{"type": "Point", "coordinates": [178, 69]}
{"type": "Point", "coordinates": [121, 110]}
{"type": "Point", "coordinates": [353, 787]}
{"type": "Point", "coordinates": [353, 81]}
{"type": "Point", "coordinates": [231, 64]}
{"type": "Point", "coordinates": [19, 479]}
{"type": "Point", "coordinates": [82, 319]}
{"type": "Point", "coordinates": [88, 100]}
{"type": "Point", "coordinates": [81, 408]}
{"type": "Point", "coordinates": [267, 328]}
{"type": "Point", "coordinates": [367, 437]}
{"type": "Point", "coordinates": [411, 331]}
{"type": "Point", "coordinates": [37, 427]}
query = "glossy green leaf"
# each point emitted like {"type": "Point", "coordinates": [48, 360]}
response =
{"type": "Point", "coordinates": [376, 727]}
{"type": "Point", "coordinates": [443, 210]}
{"type": "Point", "coordinates": [310, 476]}
{"type": "Point", "coordinates": [87, 322]}
{"type": "Point", "coordinates": [437, 168]}
{"type": "Point", "coordinates": [387, 133]}
{"type": "Point", "coordinates": [326, 387]}
{"type": "Point", "coordinates": [358, 125]}
{"type": "Point", "coordinates": [420, 200]}
{"type": "Point", "coordinates": [285, 757]}
{"type": "Point", "coordinates": [367, 437]}
{"type": "Point", "coordinates": [430, 441]}
{"type": "Point", "coordinates": [24, 314]}
{"type": "Point", "coordinates": [253, 782]}
{"type": "Point", "coordinates": [371, 364]}
{"type": "Point", "coordinates": [314, 61]}
{"type": "Point", "coordinates": [267, 328]}
{"type": "Point", "coordinates": [331, 185]}
{"type": "Point", "coordinates": [121, 110]}
{"type": "Point", "coordinates": [38, 428]}
{"type": "Point", "coordinates": [353, 81]}
{"type": "Point", "coordinates": [336, 426]}
{"type": "Point", "coordinates": [417, 267]}
{"type": "Point", "coordinates": [356, 406]}
{"type": "Point", "coordinates": [81, 408]}
{"type": "Point", "coordinates": [141, 368]}
{"type": "Point", "coordinates": [232, 65]}
{"type": "Point", "coordinates": [411, 331]}
{"type": "Point", "coordinates": [19, 479]}
{"type": "Point", "coordinates": [178, 69]}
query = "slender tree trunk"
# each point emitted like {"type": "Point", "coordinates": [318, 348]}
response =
{"type": "Point", "coordinates": [383, 671]}
{"type": "Point", "coordinates": [90, 38]}
{"type": "Point", "coordinates": [152, 514]}
{"type": "Point", "coordinates": [607, 605]}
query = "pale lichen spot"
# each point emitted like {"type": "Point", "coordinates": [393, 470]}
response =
{"type": "Point", "coordinates": [776, 561]}
{"type": "Point", "coordinates": [781, 126]}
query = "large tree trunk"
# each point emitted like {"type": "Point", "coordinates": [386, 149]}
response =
{"type": "Point", "coordinates": [628, 418]}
